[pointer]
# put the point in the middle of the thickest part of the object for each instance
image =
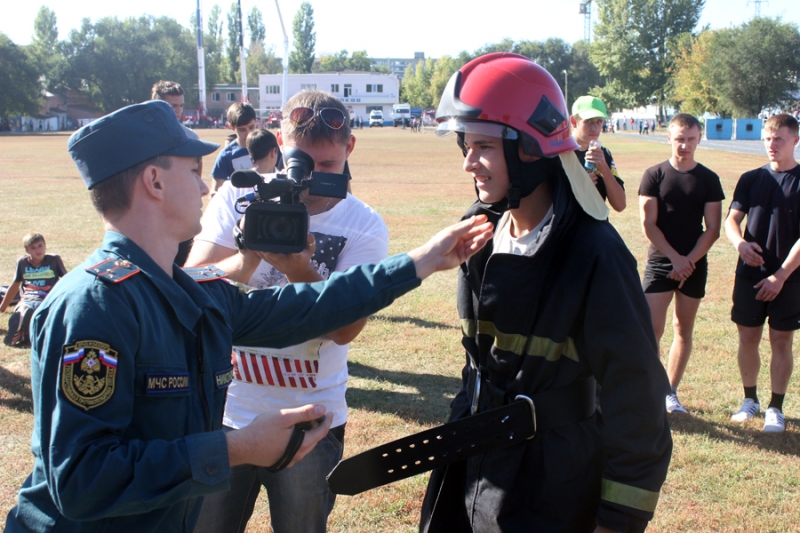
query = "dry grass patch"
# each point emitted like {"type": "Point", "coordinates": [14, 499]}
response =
{"type": "Point", "coordinates": [405, 366]}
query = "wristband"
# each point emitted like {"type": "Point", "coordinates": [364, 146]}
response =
{"type": "Point", "coordinates": [238, 236]}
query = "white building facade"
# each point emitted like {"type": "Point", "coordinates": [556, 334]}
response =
{"type": "Point", "coordinates": [359, 91]}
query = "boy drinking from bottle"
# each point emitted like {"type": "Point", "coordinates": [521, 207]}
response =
{"type": "Point", "coordinates": [588, 115]}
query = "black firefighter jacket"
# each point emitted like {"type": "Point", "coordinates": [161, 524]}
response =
{"type": "Point", "coordinates": [571, 309]}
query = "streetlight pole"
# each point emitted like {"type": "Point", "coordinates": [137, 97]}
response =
{"type": "Point", "coordinates": [566, 88]}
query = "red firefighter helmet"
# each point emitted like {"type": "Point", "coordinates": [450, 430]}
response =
{"type": "Point", "coordinates": [513, 91]}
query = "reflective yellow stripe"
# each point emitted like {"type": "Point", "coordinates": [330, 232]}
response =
{"type": "Point", "coordinates": [634, 497]}
{"type": "Point", "coordinates": [521, 344]}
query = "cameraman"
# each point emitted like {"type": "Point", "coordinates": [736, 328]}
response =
{"type": "Point", "coordinates": [347, 232]}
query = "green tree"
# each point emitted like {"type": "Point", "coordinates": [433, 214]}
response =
{"type": "Point", "coordinates": [634, 47]}
{"type": "Point", "coordinates": [339, 61]}
{"type": "Point", "coordinates": [301, 59]}
{"type": "Point", "coordinates": [261, 60]}
{"type": "Point", "coordinates": [359, 60]}
{"type": "Point", "coordinates": [333, 62]}
{"type": "Point", "coordinates": [232, 57]}
{"type": "Point", "coordinates": [255, 23]}
{"type": "Point", "coordinates": [45, 50]}
{"type": "Point", "coordinates": [506, 45]}
{"type": "Point", "coordinates": [416, 85]}
{"type": "Point", "coordinates": [756, 66]}
{"type": "Point", "coordinates": [214, 47]}
{"type": "Point", "coordinates": [693, 89]}
{"type": "Point", "coordinates": [19, 79]}
{"type": "Point", "coordinates": [117, 62]}
{"type": "Point", "coordinates": [583, 74]}
{"type": "Point", "coordinates": [443, 69]}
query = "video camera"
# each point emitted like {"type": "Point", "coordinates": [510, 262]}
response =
{"type": "Point", "coordinates": [282, 226]}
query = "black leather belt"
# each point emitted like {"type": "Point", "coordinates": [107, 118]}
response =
{"type": "Point", "coordinates": [491, 430]}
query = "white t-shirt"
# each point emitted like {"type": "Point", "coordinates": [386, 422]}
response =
{"type": "Point", "coordinates": [351, 233]}
{"type": "Point", "coordinates": [505, 243]}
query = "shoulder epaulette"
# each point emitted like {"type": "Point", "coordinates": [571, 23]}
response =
{"type": "Point", "coordinates": [114, 270]}
{"type": "Point", "coordinates": [205, 273]}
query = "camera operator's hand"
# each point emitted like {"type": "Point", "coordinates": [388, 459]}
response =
{"type": "Point", "coordinates": [296, 267]}
{"type": "Point", "coordinates": [452, 246]}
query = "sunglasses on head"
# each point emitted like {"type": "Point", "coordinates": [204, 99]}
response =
{"type": "Point", "coordinates": [332, 117]}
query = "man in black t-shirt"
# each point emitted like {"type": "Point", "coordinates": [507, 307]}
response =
{"type": "Point", "coordinates": [675, 198]}
{"type": "Point", "coordinates": [766, 275]}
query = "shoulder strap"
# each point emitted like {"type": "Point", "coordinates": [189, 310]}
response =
{"type": "Point", "coordinates": [205, 273]}
{"type": "Point", "coordinates": [114, 270]}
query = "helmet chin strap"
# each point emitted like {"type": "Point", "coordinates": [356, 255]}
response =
{"type": "Point", "coordinates": [524, 176]}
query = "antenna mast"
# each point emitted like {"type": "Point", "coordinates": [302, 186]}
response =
{"type": "Point", "coordinates": [242, 67]}
{"type": "Point", "coordinates": [201, 66]}
{"type": "Point", "coordinates": [758, 5]}
{"type": "Point", "coordinates": [285, 57]}
{"type": "Point", "coordinates": [586, 10]}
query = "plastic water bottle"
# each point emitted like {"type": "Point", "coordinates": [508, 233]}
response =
{"type": "Point", "coordinates": [588, 165]}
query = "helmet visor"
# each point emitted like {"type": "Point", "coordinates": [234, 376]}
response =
{"type": "Point", "coordinates": [490, 129]}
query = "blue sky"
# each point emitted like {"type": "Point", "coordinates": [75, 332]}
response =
{"type": "Point", "coordinates": [386, 29]}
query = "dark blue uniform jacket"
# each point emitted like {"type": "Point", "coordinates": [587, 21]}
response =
{"type": "Point", "coordinates": [129, 382]}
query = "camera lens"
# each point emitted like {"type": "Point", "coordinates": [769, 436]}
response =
{"type": "Point", "coordinates": [279, 228]}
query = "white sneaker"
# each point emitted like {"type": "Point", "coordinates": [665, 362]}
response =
{"type": "Point", "coordinates": [674, 405]}
{"type": "Point", "coordinates": [747, 411]}
{"type": "Point", "coordinates": [773, 421]}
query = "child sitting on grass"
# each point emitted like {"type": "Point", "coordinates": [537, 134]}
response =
{"type": "Point", "coordinates": [37, 273]}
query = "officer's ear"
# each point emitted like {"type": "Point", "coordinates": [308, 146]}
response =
{"type": "Point", "coordinates": [152, 180]}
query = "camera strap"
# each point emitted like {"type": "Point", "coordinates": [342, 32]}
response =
{"type": "Point", "coordinates": [238, 236]}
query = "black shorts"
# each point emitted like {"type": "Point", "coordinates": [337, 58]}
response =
{"type": "Point", "coordinates": [783, 311]}
{"type": "Point", "coordinates": [655, 278]}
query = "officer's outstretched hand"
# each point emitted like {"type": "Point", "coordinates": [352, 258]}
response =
{"type": "Point", "coordinates": [264, 440]}
{"type": "Point", "coordinates": [452, 246]}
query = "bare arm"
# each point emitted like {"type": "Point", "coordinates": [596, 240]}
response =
{"type": "Point", "coordinates": [614, 191]}
{"type": "Point", "coordinates": [217, 184]}
{"type": "Point", "coordinates": [298, 269]}
{"type": "Point", "coordinates": [241, 266]}
{"type": "Point", "coordinates": [748, 251]}
{"type": "Point", "coordinates": [648, 211]}
{"type": "Point", "coordinates": [772, 285]}
{"type": "Point", "coordinates": [712, 214]}
{"type": "Point", "coordinates": [452, 246]}
{"type": "Point", "coordinates": [12, 291]}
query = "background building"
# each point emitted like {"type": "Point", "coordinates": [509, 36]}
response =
{"type": "Point", "coordinates": [223, 95]}
{"type": "Point", "coordinates": [397, 65]}
{"type": "Point", "coordinates": [360, 91]}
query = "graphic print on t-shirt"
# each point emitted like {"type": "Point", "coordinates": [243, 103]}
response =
{"type": "Point", "coordinates": [296, 366]}
{"type": "Point", "coordinates": [326, 256]}
{"type": "Point", "coordinates": [37, 281]}
{"type": "Point", "coordinates": [263, 366]}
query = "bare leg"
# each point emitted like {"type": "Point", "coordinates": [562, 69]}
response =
{"type": "Point", "coordinates": [659, 302]}
{"type": "Point", "coordinates": [683, 325]}
{"type": "Point", "coordinates": [749, 360]}
{"type": "Point", "coordinates": [780, 368]}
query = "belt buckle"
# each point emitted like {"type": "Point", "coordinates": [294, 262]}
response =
{"type": "Point", "coordinates": [533, 411]}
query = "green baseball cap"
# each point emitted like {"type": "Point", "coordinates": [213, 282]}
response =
{"type": "Point", "coordinates": [587, 107]}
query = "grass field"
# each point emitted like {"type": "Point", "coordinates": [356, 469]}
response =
{"type": "Point", "coordinates": [405, 366]}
